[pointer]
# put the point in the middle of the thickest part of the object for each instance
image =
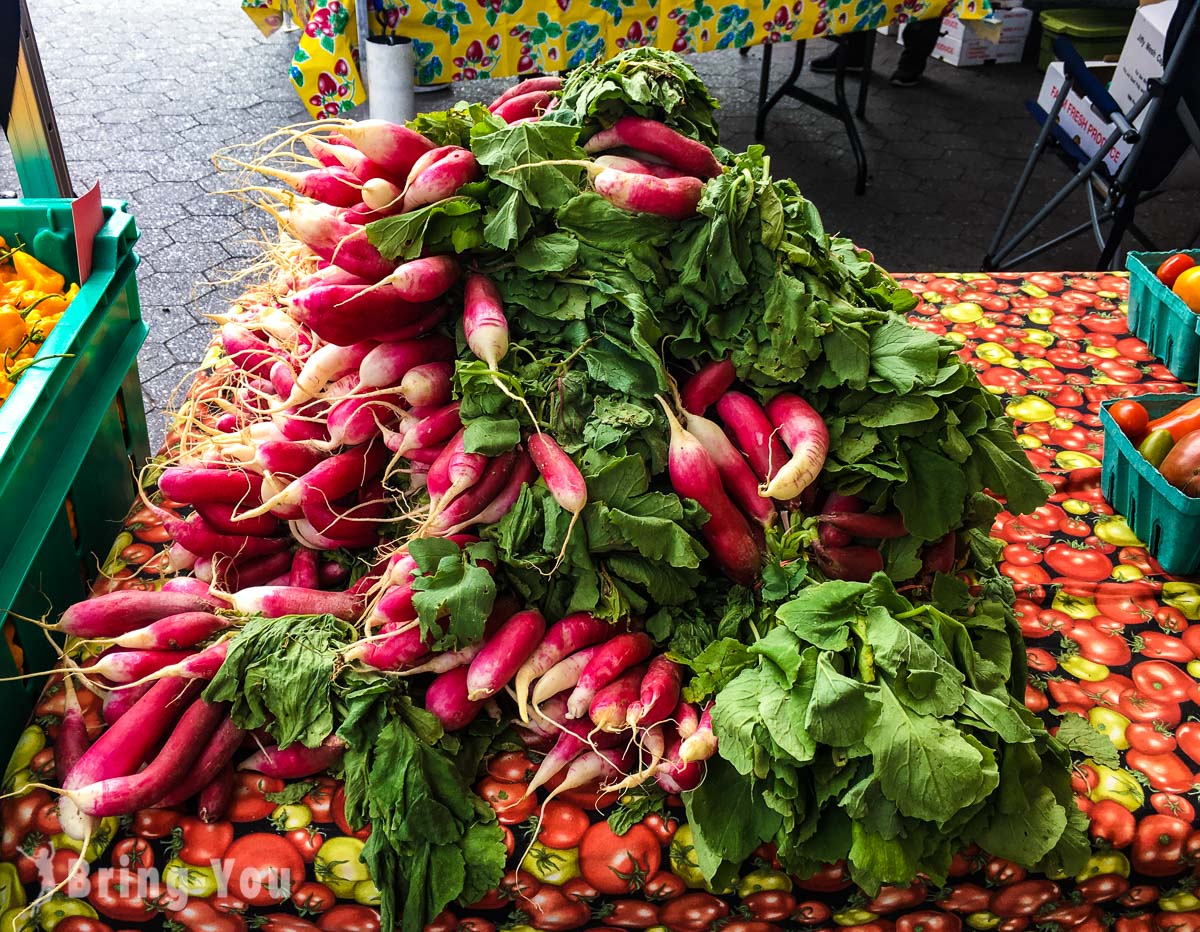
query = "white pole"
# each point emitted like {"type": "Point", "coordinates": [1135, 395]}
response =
{"type": "Point", "coordinates": [390, 79]}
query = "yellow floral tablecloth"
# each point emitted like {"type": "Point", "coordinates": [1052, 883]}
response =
{"type": "Point", "coordinates": [460, 40]}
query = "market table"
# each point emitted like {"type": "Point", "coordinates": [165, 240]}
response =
{"type": "Point", "coordinates": [1105, 629]}
{"type": "Point", "coordinates": [454, 41]}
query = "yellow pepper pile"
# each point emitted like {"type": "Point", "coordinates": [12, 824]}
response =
{"type": "Point", "coordinates": [32, 299]}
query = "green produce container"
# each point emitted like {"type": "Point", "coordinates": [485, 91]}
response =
{"type": "Point", "coordinates": [1096, 34]}
{"type": "Point", "coordinates": [1159, 318]}
{"type": "Point", "coordinates": [1165, 519]}
{"type": "Point", "coordinates": [70, 434]}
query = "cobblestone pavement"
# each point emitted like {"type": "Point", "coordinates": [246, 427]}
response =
{"type": "Point", "coordinates": [144, 93]}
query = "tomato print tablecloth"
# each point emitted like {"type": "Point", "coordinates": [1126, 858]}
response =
{"type": "Point", "coordinates": [1110, 637]}
{"type": "Point", "coordinates": [457, 40]}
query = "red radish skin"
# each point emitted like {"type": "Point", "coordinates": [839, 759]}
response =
{"type": "Point", "coordinates": [523, 106]}
{"type": "Point", "coordinates": [853, 564]}
{"type": "Point", "coordinates": [404, 647]}
{"type": "Point", "coordinates": [484, 323]}
{"type": "Point", "coordinates": [658, 139]}
{"type": "Point", "coordinates": [609, 708]}
{"type": "Point", "coordinates": [563, 675]}
{"type": "Point", "coordinates": [213, 801]}
{"type": "Point", "coordinates": [235, 575]}
{"type": "Point", "coordinates": [191, 484]}
{"type": "Point", "coordinates": [174, 632]}
{"type": "Point", "coordinates": [322, 150]}
{"type": "Point", "coordinates": [561, 475]}
{"type": "Point", "coordinates": [752, 433]}
{"type": "Point", "coordinates": [636, 167]}
{"type": "Point", "coordinates": [422, 324]}
{"type": "Point", "coordinates": [387, 363]}
{"type": "Point", "coordinates": [120, 750]}
{"type": "Point", "coordinates": [305, 570]}
{"type": "Point", "coordinates": [73, 740]}
{"type": "Point", "coordinates": [869, 527]}
{"type": "Point", "coordinates": [248, 352]}
{"type": "Point", "coordinates": [463, 469]}
{"type": "Point", "coordinates": [939, 556]}
{"type": "Point", "coordinates": [283, 378]}
{"type": "Point", "coordinates": [117, 613]}
{"type": "Point", "coordinates": [119, 701]}
{"type": "Point", "coordinates": [432, 429]}
{"type": "Point", "coordinates": [438, 480]}
{"type": "Point", "coordinates": [424, 279]}
{"type": "Point", "coordinates": [354, 421]}
{"type": "Point", "coordinates": [186, 585]}
{"type": "Point", "coordinates": [327, 234]}
{"type": "Point", "coordinates": [737, 477]}
{"type": "Point", "coordinates": [124, 795]}
{"type": "Point", "coordinates": [835, 503]}
{"type": "Point", "coordinates": [676, 776]}
{"type": "Point", "coordinates": [447, 699]}
{"type": "Point", "coordinates": [390, 145]}
{"type": "Point", "coordinates": [223, 517]}
{"type": "Point", "coordinates": [658, 693]}
{"type": "Point", "coordinates": [348, 519]}
{"type": "Point", "coordinates": [441, 179]}
{"type": "Point", "coordinates": [704, 389]}
{"type": "Point", "coordinates": [547, 83]}
{"type": "Point", "coordinates": [202, 665]}
{"type": "Point", "coordinates": [503, 655]}
{"type": "Point", "coordinates": [288, 457]}
{"type": "Point", "coordinates": [675, 198]}
{"type": "Point", "coordinates": [564, 638]}
{"type": "Point", "coordinates": [358, 164]}
{"type": "Point", "coordinates": [428, 384]}
{"type": "Point", "coordinates": [522, 474]}
{"type": "Point", "coordinates": [726, 532]}
{"type": "Point", "coordinates": [806, 436]}
{"type": "Point", "coordinates": [461, 512]}
{"type": "Point", "coordinates": [571, 740]}
{"type": "Point", "coordinates": [702, 743]}
{"type": "Point", "coordinates": [334, 185]}
{"type": "Point", "coordinates": [130, 666]}
{"type": "Point", "coordinates": [346, 314]}
{"type": "Point", "coordinates": [612, 659]}
{"type": "Point", "coordinates": [278, 601]}
{"type": "Point", "coordinates": [215, 758]}
{"type": "Point", "coordinates": [196, 535]}
{"type": "Point", "coordinates": [296, 760]}
{"type": "Point", "coordinates": [334, 477]}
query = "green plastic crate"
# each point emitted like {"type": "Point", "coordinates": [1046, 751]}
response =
{"type": "Point", "coordinates": [1095, 33]}
{"type": "Point", "coordinates": [70, 434]}
{"type": "Point", "coordinates": [1159, 318]}
{"type": "Point", "coordinates": [1163, 517]}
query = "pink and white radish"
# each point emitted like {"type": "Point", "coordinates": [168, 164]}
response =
{"type": "Point", "coordinates": [390, 145]}
{"type": "Point", "coordinates": [660, 140]}
{"type": "Point", "coordinates": [503, 655]}
{"type": "Point", "coordinates": [675, 198]}
{"type": "Point", "coordinates": [658, 693]}
{"type": "Point", "coordinates": [705, 388]}
{"type": "Point", "coordinates": [448, 700]}
{"type": "Point", "coordinates": [737, 477]}
{"type": "Point", "coordinates": [694, 475]}
{"type": "Point", "coordinates": [296, 760]}
{"type": "Point", "coordinates": [564, 638]}
{"type": "Point", "coordinates": [806, 435]}
{"type": "Point", "coordinates": [611, 659]}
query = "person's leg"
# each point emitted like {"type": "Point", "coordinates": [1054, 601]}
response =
{"type": "Point", "coordinates": [920, 37]}
{"type": "Point", "coordinates": [856, 45]}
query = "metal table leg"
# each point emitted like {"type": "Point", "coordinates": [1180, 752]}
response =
{"type": "Point", "coordinates": [838, 107]}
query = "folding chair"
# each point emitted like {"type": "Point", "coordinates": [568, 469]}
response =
{"type": "Point", "coordinates": [1171, 108]}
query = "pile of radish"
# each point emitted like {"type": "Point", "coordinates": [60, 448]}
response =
{"type": "Point", "coordinates": [386, 428]}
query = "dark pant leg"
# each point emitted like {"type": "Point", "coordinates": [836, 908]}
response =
{"type": "Point", "coordinates": [920, 36]}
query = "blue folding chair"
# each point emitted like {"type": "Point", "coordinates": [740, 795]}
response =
{"type": "Point", "coordinates": [1169, 128]}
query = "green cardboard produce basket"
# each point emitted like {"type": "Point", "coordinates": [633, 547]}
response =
{"type": "Point", "coordinates": [70, 434]}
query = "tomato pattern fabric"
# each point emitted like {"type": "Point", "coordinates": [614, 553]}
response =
{"type": "Point", "coordinates": [461, 40]}
{"type": "Point", "coordinates": [1110, 637]}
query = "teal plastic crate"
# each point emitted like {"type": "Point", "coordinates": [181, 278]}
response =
{"type": "Point", "coordinates": [1159, 318]}
{"type": "Point", "coordinates": [1166, 520]}
{"type": "Point", "coordinates": [70, 434]}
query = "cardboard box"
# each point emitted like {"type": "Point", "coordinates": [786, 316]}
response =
{"type": "Point", "coordinates": [999, 38]}
{"type": "Point", "coordinates": [1142, 56]}
{"type": "Point", "coordinates": [1087, 128]}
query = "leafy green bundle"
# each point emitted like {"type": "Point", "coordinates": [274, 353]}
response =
{"type": "Point", "coordinates": [861, 726]}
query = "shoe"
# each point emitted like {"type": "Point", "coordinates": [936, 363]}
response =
{"type": "Point", "coordinates": [902, 78]}
{"type": "Point", "coordinates": [827, 64]}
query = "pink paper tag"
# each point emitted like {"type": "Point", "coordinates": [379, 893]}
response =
{"type": "Point", "coordinates": [89, 218]}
